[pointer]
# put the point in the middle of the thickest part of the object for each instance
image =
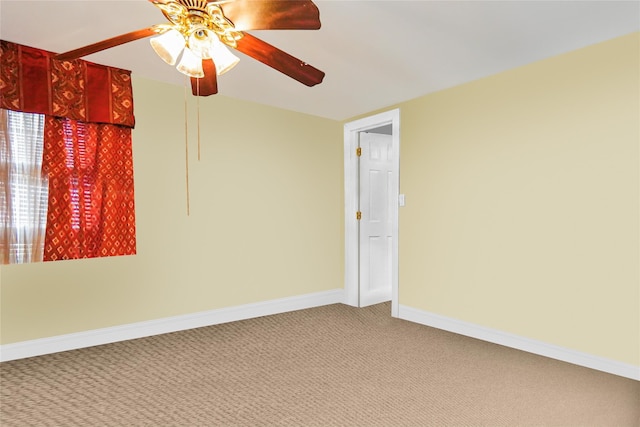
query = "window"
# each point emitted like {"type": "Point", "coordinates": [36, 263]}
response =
{"type": "Point", "coordinates": [66, 189]}
{"type": "Point", "coordinates": [66, 161]}
{"type": "Point", "coordinates": [23, 188]}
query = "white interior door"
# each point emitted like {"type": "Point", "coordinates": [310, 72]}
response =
{"type": "Point", "coordinates": [370, 269]}
{"type": "Point", "coordinates": [376, 178]}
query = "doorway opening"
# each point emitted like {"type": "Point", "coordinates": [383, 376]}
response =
{"type": "Point", "coordinates": [372, 187]}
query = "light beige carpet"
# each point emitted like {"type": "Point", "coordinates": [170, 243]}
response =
{"type": "Point", "coordinates": [327, 366]}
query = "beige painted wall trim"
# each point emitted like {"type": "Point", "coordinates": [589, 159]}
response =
{"type": "Point", "coordinates": [37, 347]}
{"type": "Point", "coordinates": [518, 342]}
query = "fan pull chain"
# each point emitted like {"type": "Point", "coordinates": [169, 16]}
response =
{"type": "Point", "coordinates": [186, 144]}
{"type": "Point", "coordinates": [198, 116]}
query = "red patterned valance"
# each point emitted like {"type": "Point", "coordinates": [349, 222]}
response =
{"type": "Point", "coordinates": [32, 81]}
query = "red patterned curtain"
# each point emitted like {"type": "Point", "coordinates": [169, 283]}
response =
{"type": "Point", "coordinates": [33, 82]}
{"type": "Point", "coordinates": [87, 153]}
{"type": "Point", "coordinates": [91, 205]}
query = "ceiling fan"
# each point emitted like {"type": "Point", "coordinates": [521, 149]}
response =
{"type": "Point", "coordinates": [199, 32]}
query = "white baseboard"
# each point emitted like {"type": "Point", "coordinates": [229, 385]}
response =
{"type": "Point", "coordinates": [520, 343]}
{"type": "Point", "coordinates": [37, 347]}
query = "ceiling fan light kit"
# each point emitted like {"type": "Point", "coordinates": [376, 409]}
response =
{"type": "Point", "coordinates": [198, 30]}
{"type": "Point", "coordinates": [200, 33]}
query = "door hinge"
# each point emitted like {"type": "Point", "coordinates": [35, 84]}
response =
{"type": "Point", "coordinates": [358, 215]}
{"type": "Point", "coordinates": [359, 151]}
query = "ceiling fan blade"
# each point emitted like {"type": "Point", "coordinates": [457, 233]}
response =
{"type": "Point", "coordinates": [279, 60]}
{"type": "Point", "coordinates": [106, 44]}
{"type": "Point", "coordinates": [272, 14]}
{"type": "Point", "coordinates": [208, 85]}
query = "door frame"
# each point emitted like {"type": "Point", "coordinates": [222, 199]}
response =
{"type": "Point", "coordinates": [351, 197]}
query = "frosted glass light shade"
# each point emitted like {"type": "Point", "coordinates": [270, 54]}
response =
{"type": "Point", "coordinates": [200, 42]}
{"type": "Point", "coordinates": [168, 46]}
{"type": "Point", "coordinates": [190, 64]}
{"type": "Point", "coordinates": [222, 57]}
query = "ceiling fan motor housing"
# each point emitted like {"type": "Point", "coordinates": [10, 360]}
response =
{"type": "Point", "coordinates": [200, 5]}
{"type": "Point", "coordinates": [197, 18]}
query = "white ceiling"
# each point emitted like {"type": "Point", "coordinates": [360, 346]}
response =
{"type": "Point", "coordinates": [375, 53]}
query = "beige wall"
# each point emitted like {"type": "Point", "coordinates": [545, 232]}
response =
{"type": "Point", "coordinates": [522, 207]}
{"type": "Point", "coordinates": [522, 210]}
{"type": "Point", "coordinates": [265, 222]}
